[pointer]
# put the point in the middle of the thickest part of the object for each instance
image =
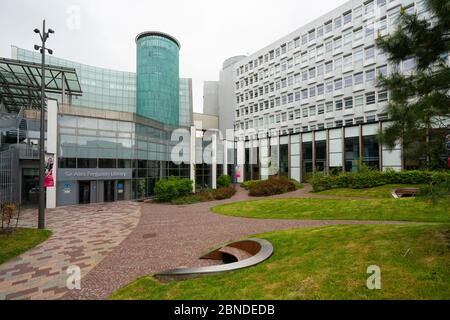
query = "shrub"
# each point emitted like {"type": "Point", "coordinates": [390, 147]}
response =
{"type": "Point", "coordinates": [248, 184]}
{"type": "Point", "coordinates": [224, 181]}
{"type": "Point", "coordinates": [272, 186]}
{"type": "Point", "coordinates": [206, 195]}
{"type": "Point", "coordinates": [172, 188]}
{"type": "Point", "coordinates": [223, 193]}
{"type": "Point", "coordinates": [372, 178]}
{"type": "Point", "coordinates": [9, 216]}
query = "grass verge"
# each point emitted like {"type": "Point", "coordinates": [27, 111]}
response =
{"type": "Point", "coordinates": [376, 192]}
{"type": "Point", "coordinates": [23, 239]}
{"type": "Point", "coordinates": [327, 263]}
{"type": "Point", "coordinates": [407, 209]}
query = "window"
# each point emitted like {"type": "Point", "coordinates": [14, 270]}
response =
{"type": "Point", "coordinates": [338, 105]}
{"type": "Point", "coordinates": [369, 8]}
{"type": "Point", "coordinates": [312, 73]}
{"type": "Point", "coordinates": [358, 34]}
{"type": "Point", "coordinates": [348, 102]}
{"type": "Point", "coordinates": [348, 17]}
{"type": "Point", "coordinates": [329, 106]}
{"type": "Point", "coordinates": [297, 114]}
{"type": "Point", "coordinates": [305, 75]}
{"type": "Point", "coordinates": [328, 27]}
{"type": "Point", "coordinates": [370, 30]}
{"type": "Point", "coordinates": [304, 39]}
{"type": "Point", "coordinates": [290, 97]}
{"type": "Point", "coordinates": [304, 57]}
{"type": "Point", "coordinates": [291, 115]}
{"type": "Point", "coordinates": [338, 84]}
{"type": "Point", "coordinates": [338, 123]}
{"type": "Point", "coordinates": [320, 89]}
{"type": "Point", "coordinates": [328, 46]}
{"type": "Point", "coordinates": [382, 71]}
{"type": "Point", "coordinates": [382, 96]}
{"type": "Point", "coordinates": [358, 55]}
{"type": "Point", "coordinates": [348, 37]}
{"type": "Point", "coordinates": [408, 65]}
{"type": "Point", "coordinates": [320, 70]}
{"type": "Point", "coordinates": [369, 53]}
{"type": "Point", "coordinates": [297, 42]}
{"type": "Point", "coordinates": [305, 113]}
{"type": "Point", "coordinates": [320, 31]}
{"type": "Point", "coordinates": [348, 60]}
{"type": "Point", "coordinates": [359, 120]}
{"type": "Point", "coordinates": [312, 111]}
{"type": "Point", "coordinates": [382, 25]}
{"type": "Point", "coordinates": [297, 96]}
{"type": "Point", "coordinates": [370, 75]}
{"type": "Point", "coordinates": [359, 101]}
{"type": "Point", "coordinates": [370, 118]}
{"type": "Point", "coordinates": [337, 43]}
{"type": "Point", "coordinates": [337, 22]}
{"type": "Point", "coordinates": [329, 86]}
{"type": "Point", "coordinates": [320, 109]}
{"type": "Point", "coordinates": [312, 92]}
{"type": "Point", "coordinates": [370, 98]}
{"type": "Point", "coordinates": [349, 122]}
{"type": "Point", "coordinates": [305, 94]}
{"type": "Point", "coordinates": [348, 81]}
{"type": "Point", "coordinates": [381, 3]}
{"type": "Point", "coordinates": [329, 67]}
{"type": "Point", "coordinates": [312, 35]}
{"type": "Point", "coordinates": [359, 78]}
{"type": "Point", "coordinates": [320, 51]}
{"type": "Point", "coordinates": [312, 54]}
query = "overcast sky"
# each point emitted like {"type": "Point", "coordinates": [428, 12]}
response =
{"type": "Point", "coordinates": [102, 32]}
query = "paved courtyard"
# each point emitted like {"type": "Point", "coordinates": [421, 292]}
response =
{"type": "Point", "coordinates": [82, 236]}
{"type": "Point", "coordinates": [116, 243]}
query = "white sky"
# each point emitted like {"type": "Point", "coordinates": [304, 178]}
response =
{"type": "Point", "coordinates": [210, 31]}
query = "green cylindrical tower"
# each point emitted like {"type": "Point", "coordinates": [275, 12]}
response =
{"type": "Point", "coordinates": [157, 77]}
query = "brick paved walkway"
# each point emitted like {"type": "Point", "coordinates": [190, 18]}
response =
{"type": "Point", "coordinates": [169, 236]}
{"type": "Point", "coordinates": [82, 235]}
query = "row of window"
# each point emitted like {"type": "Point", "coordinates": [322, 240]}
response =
{"type": "Point", "coordinates": [348, 81]}
{"type": "Point", "coordinates": [367, 11]}
{"type": "Point", "coordinates": [307, 112]}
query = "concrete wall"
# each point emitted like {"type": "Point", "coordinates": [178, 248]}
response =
{"type": "Point", "coordinates": [211, 98]}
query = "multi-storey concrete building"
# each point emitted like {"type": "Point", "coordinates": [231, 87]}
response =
{"type": "Point", "coordinates": [315, 91]}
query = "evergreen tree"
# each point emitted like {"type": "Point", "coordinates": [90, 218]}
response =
{"type": "Point", "coordinates": [419, 105]}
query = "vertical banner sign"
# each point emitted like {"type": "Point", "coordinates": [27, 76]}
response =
{"type": "Point", "coordinates": [48, 179]}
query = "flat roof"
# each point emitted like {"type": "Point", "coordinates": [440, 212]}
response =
{"type": "Point", "coordinates": [159, 34]}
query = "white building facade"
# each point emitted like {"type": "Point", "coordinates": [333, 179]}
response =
{"type": "Point", "coordinates": [312, 98]}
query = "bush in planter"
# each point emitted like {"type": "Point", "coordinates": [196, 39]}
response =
{"type": "Point", "coordinates": [224, 181]}
{"type": "Point", "coordinates": [172, 188]}
{"type": "Point", "coordinates": [272, 186]}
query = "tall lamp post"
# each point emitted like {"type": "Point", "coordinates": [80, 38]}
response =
{"type": "Point", "coordinates": [44, 36]}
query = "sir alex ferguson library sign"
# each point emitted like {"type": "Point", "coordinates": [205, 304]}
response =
{"type": "Point", "coordinates": [94, 174]}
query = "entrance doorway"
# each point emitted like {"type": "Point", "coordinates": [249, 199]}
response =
{"type": "Point", "coordinates": [84, 192]}
{"type": "Point", "coordinates": [30, 186]}
{"type": "Point", "coordinates": [109, 190]}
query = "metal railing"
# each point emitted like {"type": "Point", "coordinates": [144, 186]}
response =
{"type": "Point", "coordinates": [9, 176]}
{"type": "Point", "coordinates": [26, 151]}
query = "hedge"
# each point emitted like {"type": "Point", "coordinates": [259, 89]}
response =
{"type": "Point", "coordinates": [372, 178]}
{"type": "Point", "coordinates": [172, 188]}
{"type": "Point", "coordinates": [272, 186]}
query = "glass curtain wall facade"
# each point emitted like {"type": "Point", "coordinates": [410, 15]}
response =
{"type": "Point", "coordinates": [157, 69]}
{"type": "Point", "coordinates": [102, 88]}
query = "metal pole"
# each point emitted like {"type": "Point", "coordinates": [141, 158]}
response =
{"type": "Point", "coordinates": [41, 218]}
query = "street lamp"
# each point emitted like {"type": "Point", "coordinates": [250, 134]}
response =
{"type": "Point", "coordinates": [44, 36]}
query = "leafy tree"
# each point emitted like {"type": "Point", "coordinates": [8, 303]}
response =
{"type": "Point", "coordinates": [419, 106]}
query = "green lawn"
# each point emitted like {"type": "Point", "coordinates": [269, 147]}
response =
{"type": "Point", "coordinates": [407, 209]}
{"type": "Point", "coordinates": [20, 241]}
{"type": "Point", "coordinates": [327, 263]}
{"type": "Point", "coordinates": [376, 192]}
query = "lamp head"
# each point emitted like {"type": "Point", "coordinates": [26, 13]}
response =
{"type": "Point", "coordinates": [36, 30]}
{"type": "Point", "coordinates": [51, 31]}
{"type": "Point", "coordinates": [50, 51]}
{"type": "Point", "coordinates": [36, 47]}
